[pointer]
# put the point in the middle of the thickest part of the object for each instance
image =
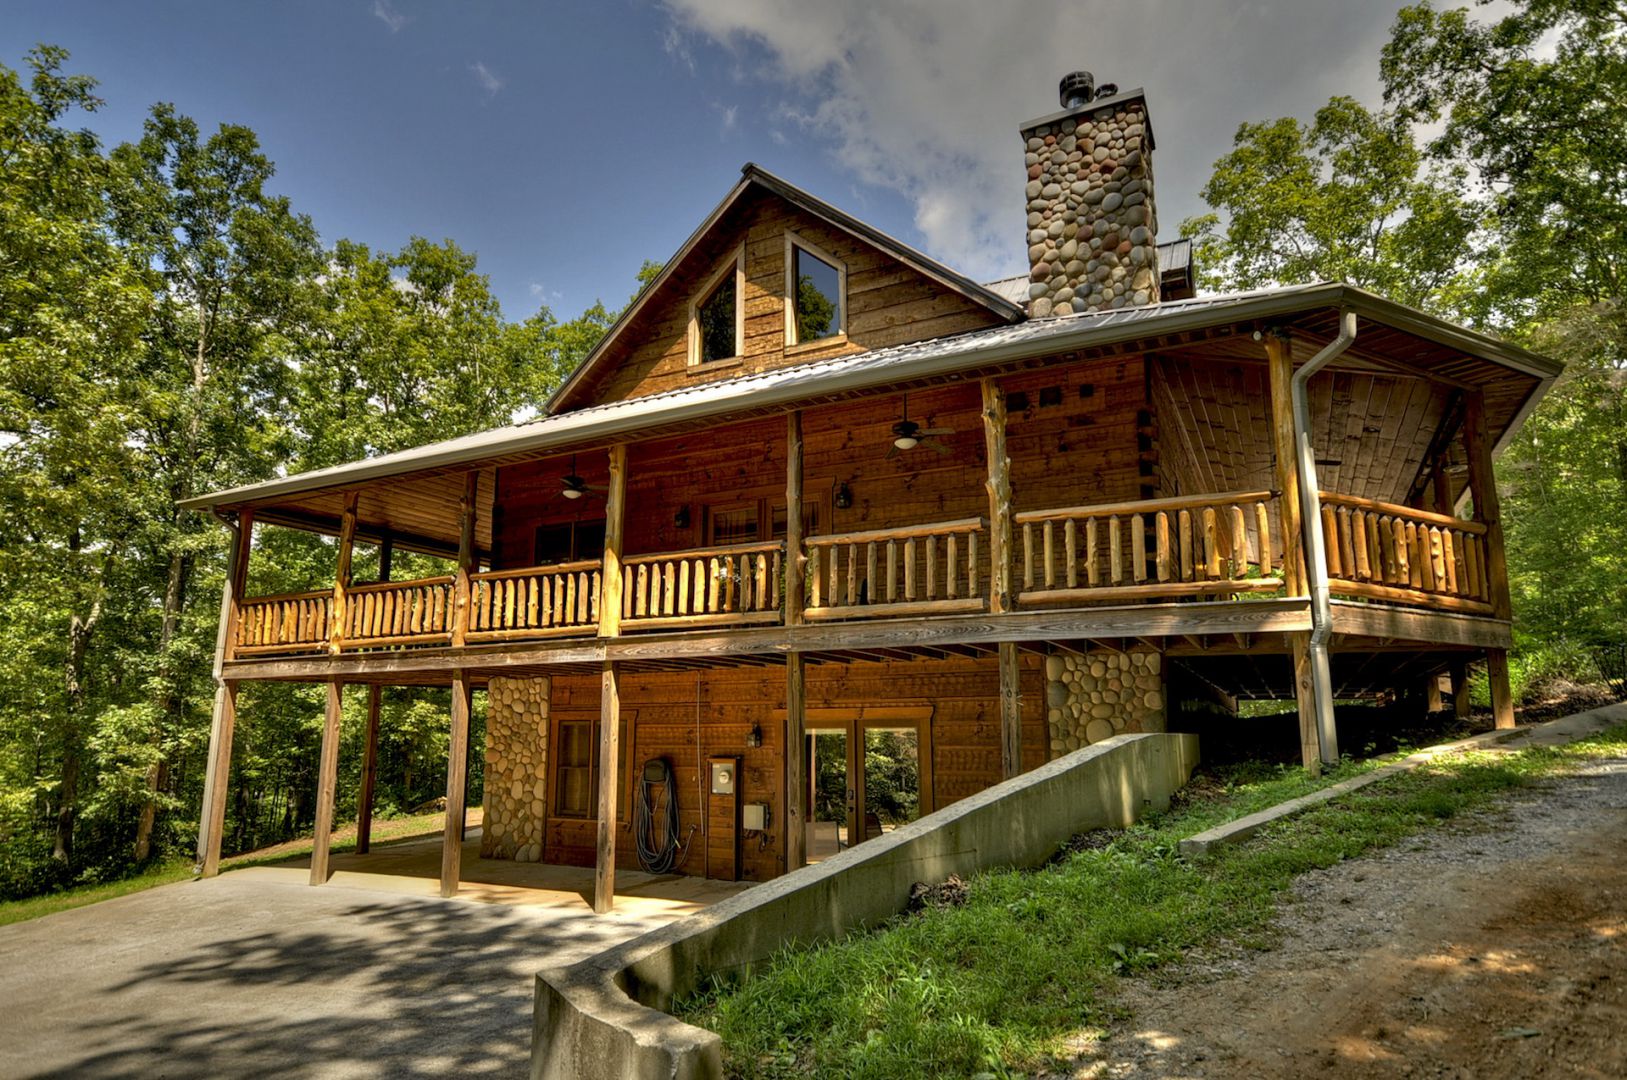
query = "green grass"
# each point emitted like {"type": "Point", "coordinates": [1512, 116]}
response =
{"type": "Point", "coordinates": [997, 985]}
{"type": "Point", "coordinates": [166, 873]}
{"type": "Point", "coordinates": [14, 911]}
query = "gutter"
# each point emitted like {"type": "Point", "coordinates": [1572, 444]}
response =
{"type": "Point", "coordinates": [1310, 512]}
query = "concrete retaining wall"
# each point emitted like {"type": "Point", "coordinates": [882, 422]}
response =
{"type": "Point", "coordinates": [606, 1016]}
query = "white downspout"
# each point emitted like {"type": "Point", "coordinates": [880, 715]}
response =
{"type": "Point", "coordinates": [1316, 565]}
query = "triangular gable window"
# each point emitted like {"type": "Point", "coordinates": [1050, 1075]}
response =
{"type": "Point", "coordinates": [716, 317]}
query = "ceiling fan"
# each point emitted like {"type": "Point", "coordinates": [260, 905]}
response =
{"type": "Point", "coordinates": [573, 486]}
{"type": "Point", "coordinates": [907, 435]}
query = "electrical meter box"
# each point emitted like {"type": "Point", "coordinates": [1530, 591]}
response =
{"type": "Point", "coordinates": [723, 777]}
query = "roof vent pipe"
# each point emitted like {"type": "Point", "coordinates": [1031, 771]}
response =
{"type": "Point", "coordinates": [1316, 559]}
{"type": "Point", "coordinates": [1077, 88]}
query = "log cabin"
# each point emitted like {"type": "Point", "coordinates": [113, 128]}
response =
{"type": "Point", "coordinates": [825, 535]}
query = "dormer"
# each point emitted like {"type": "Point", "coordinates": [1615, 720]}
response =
{"type": "Point", "coordinates": [772, 277]}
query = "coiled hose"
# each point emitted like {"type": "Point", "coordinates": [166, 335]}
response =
{"type": "Point", "coordinates": [662, 859]}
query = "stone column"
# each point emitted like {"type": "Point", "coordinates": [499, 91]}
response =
{"type": "Point", "coordinates": [516, 769]}
{"type": "Point", "coordinates": [1103, 693]}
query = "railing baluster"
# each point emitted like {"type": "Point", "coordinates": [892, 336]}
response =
{"type": "Point", "coordinates": [870, 572]}
{"type": "Point", "coordinates": [1093, 569]}
{"type": "Point", "coordinates": [1239, 543]}
{"type": "Point", "coordinates": [1028, 555]}
{"type": "Point", "coordinates": [909, 569]}
{"type": "Point", "coordinates": [971, 564]}
{"type": "Point", "coordinates": [951, 564]}
{"type": "Point", "coordinates": [931, 567]}
{"type": "Point", "coordinates": [1049, 534]}
{"type": "Point", "coordinates": [1185, 522]}
{"type": "Point", "coordinates": [1138, 549]}
{"type": "Point", "coordinates": [1115, 548]}
{"type": "Point", "coordinates": [1161, 537]}
{"type": "Point", "coordinates": [1211, 542]}
{"type": "Point", "coordinates": [892, 571]}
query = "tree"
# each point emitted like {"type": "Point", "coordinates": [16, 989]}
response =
{"type": "Point", "coordinates": [1535, 105]}
{"type": "Point", "coordinates": [1344, 198]}
{"type": "Point", "coordinates": [71, 309]}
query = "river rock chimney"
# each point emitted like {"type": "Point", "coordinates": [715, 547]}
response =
{"type": "Point", "coordinates": [1092, 228]}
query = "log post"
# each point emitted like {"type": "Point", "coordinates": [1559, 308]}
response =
{"type": "Point", "coordinates": [224, 717]}
{"type": "Point", "coordinates": [341, 578]}
{"type": "Point", "coordinates": [1011, 711]}
{"type": "Point", "coordinates": [461, 583]}
{"type": "Point", "coordinates": [615, 515]}
{"type": "Point", "coordinates": [796, 559]}
{"type": "Point", "coordinates": [1488, 511]}
{"type": "Point", "coordinates": [1280, 366]}
{"type": "Point", "coordinates": [327, 782]}
{"type": "Point", "coordinates": [796, 766]}
{"type": "Point", "coordinates": [457, 774]}
{"type": "Point", "coordinates": [604, 876]}
{"type": "Point", "coordinates": [999, 488]}
{"type": "Point", "coordinates": [1460, 689]}
{"type": "Point", "coordinates": [370, 746]}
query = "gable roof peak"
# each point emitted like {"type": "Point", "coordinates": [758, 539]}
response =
{"type": "Point", "coordinates": [752, 176]}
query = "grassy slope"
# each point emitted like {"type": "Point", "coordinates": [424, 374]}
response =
{"type": "Point", "coordinates": [995, 986]}
{"type": "Point", "coordinates": [344, 839]}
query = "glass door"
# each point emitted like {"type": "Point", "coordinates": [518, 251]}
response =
{"type": "Point", "coordinates": [889, 790]}
{"type": "Point", "coordinates": [831, 791]}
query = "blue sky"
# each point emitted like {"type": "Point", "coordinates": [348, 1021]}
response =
{"type": "Point", "coordinates": [566, 142]}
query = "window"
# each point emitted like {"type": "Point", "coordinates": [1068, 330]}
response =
{"type": "Point", "coordinates": [716, 318]}
{"type": "Point", "coordinates": [574, 757]}
{"type": "Point", "coordinates": [815, 293]}
{"type": "Point", "coordinates": [570, 541]}
{"type": "Point", "coordinates": [573, 772]}
{"type": "Point", "coordinates": [761, 519]}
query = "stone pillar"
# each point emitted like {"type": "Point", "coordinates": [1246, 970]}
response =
{"type": "Point", "coordinates": [1092, 225]}
{"type": "Point", "coordinates": [516, 769]}
{"type": "Point", "coordinates": [1103, 693]}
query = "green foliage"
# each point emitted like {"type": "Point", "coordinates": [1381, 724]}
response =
{"type": "Point", "coordinates": [998, 985]}
{"type": "Point", "coordinates": [170, 325]}
{"type": "Point", "coordinates": [1344, 198]}
{"type": "Point", "coordinates": [1512, 216]}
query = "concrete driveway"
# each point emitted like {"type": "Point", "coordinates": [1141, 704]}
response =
{"type": "Point", "coordinates": [255, 973]}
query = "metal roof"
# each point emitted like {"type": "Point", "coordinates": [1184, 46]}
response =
{"type": "Point", "coordinates": [879, 368]}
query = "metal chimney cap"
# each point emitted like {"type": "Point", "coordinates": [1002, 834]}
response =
{"type": "Point", "coordinates": [1077, 88]}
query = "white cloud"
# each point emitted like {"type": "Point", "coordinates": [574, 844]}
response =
{"type": "Point", "coordinates": [728, 117]}
{"type": "Point", "coordinates": [489, 80]}
{"type": "Point", "coordinates": [389, 16]}
{"type": "Point", "coordinates": [924, 97]}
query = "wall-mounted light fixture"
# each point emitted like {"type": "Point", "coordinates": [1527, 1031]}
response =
{"type": "Point", "coordinates": [680, 520]}
{"type": "Point", "coordinates": [754, 737]}
{"type": "Point", "coordinates": [844, 496]}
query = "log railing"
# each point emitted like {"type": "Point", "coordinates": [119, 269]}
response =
{"type": "Point", "coordinates": [1195, 545]}
{"type": "Point", "coordinates": [914, 570]}
{"type": "Point", "coordinates": [1383, 551]}
{"type": "Point", "coordinates": [735, 584]}
{"type": "Point", "coordinates": [398, 613]}
{"type": "Point", "coordinates": [538, 601]}
{"type": "Point", "coordinates": [285, 623]}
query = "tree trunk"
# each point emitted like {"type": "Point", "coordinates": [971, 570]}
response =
{"type": "Point", "coordinates": [79, 633]}
{"type": "Point", "coordinates": [175, 590]}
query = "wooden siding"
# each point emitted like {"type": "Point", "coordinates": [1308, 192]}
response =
{"type": "Point", "coordinates": [687, 717]}
{"type": "Point", "coordinates": [1082, 449]}
{"type": "Point", "coordinates": [888, 303]}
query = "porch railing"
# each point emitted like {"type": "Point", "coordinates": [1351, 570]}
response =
{"type": "Point", "coordinates": [1383, 551]}
{"type": "Point", "coordinates": [287, 622]}
{"type": "Point", "coordinates": [538, 601]}
{"type": "Point", "coordinates": [1194, 545]}
{"type": "Point", "coordinates": [398, 613]}
{"type": "Point", "coordinates": [735, 584]}
{"type": "Point", "coordinates": [914, 570]}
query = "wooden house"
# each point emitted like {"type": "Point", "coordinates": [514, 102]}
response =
{"type": "Point", "coordinates": [818, 500]}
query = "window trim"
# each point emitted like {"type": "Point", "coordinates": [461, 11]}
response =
{"type": "Point", "coordinates": [793, 241]}
{"type": "Point", "coordinates": [736, 262]}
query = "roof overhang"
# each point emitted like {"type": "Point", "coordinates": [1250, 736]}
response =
{"type": "Point", "coordinates": [904, 364]}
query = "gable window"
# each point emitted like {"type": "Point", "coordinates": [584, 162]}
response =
{"type": "Point", "coordinates": [815, 293]}
{"type": "Point", "coordinates": [717, 316]}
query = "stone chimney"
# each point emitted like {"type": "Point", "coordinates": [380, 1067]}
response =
{"type": "Point", "coordinates": [1092, 229]}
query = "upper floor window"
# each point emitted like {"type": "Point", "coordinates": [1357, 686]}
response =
{"type": "Point", "coordinates": [717, 315]}
{"type": "Point", "coordinates": [815, 293]}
